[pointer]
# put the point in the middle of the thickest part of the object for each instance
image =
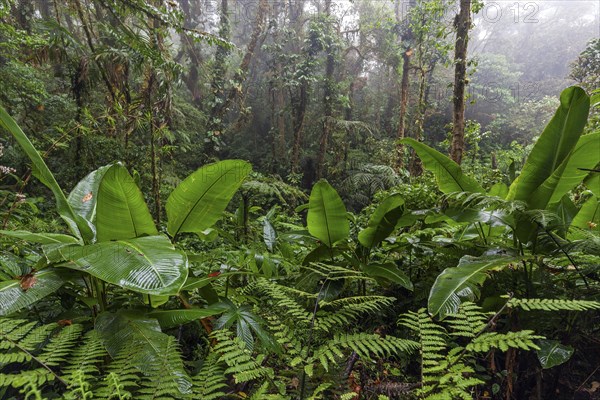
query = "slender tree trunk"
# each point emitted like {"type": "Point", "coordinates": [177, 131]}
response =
{"type": "Point", "coordinates": [299, 97]}
{"type": "Point", "coordinates": [416, 168]}
{"type": "Point", "coordinates": [462, 24]}
{"type": "Point", "coordinates": [404, 83]}
{"type": "Point", "coordinates": [277, 98]}
{"type": "Point", "coordinates": [279, 104]}
{"type": "Point", "coordinates": [407, 37]}
{"type": "Point", "coordinates": [299, 103]}
{"type": "Point", "coordinates": [189, 47]}
{"type": "Point", "coordinates": [327, 100]}
{"type": "Point", "coordinates": [216, 125]}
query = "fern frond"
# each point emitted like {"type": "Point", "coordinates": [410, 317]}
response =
{"type": "Point", "coordinates": [468, 322]}
{"type": "Point", "coordinates": [349, 309]}
{"type": "Point", "coordinates": [239, 360]}
{"type": "Point", "coordinates": [121, 373]}
{"type": "Point", "coordinates": [86, 357]}
{"type": "Point", "coordinates": [554, 304]}
{"type": "Point", "coordinates": [210, 380]}
{"type": "Point", "coordinates": [503, 341]}
{"type": "Point", "coordinates": [116, 389]}
{"type": "Point", "coordinates": [367, 346]}
{"type": "Point", "coordinates": [282, 299]}
{"type": "Point", "coordinates": [166, 377]}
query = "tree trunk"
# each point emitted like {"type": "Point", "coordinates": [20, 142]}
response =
{"type": "Point", "coordinates": [403, 107]}
{"type": "Point", "coordinates": [216, 124]}
{"type": "Point", "coordinates": [462, 24]}
{"type": "Point", "coordinates": [416, 168]}
{"type": "Point", "coordinates": [407, 37]}
{"type": "Point", "coordinates": [327, 100]}
{"type": "Point", "coordinates": [299, 97]}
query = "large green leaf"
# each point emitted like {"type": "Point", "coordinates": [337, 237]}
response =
{"type": "Point", "coordinates": [76, 223]}
{"type": "Point", "coordinates": [570, 173]}
{"type": "Point", "coordinates": [587, 219]}
{"type": "Point", "coordinates": [43, 238]}
{"type": "Point", "coordinates": [148, 264]}
{"type": "Point", "coordinates": [390, 273]}
{"type": "Point", "coordinates": [448, 174]}
{"type": "Point", "coordinates": [553, 353]}
{"type": "Point", "coordinates": [199, 201]}
{"type": "Point", "coordinates": [84, 196]}
{"type": "Point", "coordinates": [462, 281]}
{"type": "Point", "coordinates": [554, 145]}
{"type": "Point", "coordinates": [152, 350]}
{"type": "Point", "coordinates": [16, 294]}
{"type": "Point", "coordinates": [382, 222]}
{"type": "Point", "coordinates": [327, 220]}
{"type": "Point", "coordinates": [121, 212]}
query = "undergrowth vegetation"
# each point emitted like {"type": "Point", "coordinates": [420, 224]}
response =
{"type": "Point", "coordinates": [251, 288]}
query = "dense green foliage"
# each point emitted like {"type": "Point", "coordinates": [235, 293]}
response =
{"type": "Point", "coordinates": [330, 309]}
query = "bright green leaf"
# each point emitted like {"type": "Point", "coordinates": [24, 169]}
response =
{"type": "Point", "coordinates": [327, 220]}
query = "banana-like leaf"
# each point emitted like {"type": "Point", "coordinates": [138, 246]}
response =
{"type": "Point", "coordinates": [553, 353]}
{"type": "Point", "coordinates": [462, 281]}
{"type": "Point", "coordinates": [554, 145]}
{"type": "Point", "coordinates": [448, 174]}
{"type": "Point", "coordinates": [171, 318]}
{"type": "Point", "coordinates": [125, 330]}
{"type": "Point", "coordinates": [76, 223]}
{"type": "Point", "coordinates": [43, 238]}
{"type": "Point", "coordinates": [16, 294]}
{"type": "Point", "coordinates": [587, 218]}
{"type": "Point", "coordinates": [199, 201]}
{"type": "Point", "coordinates": [390, 273]}
{"type": "Point", "coordinates": [499, 190]}
{"type": "Point", "coordinates": [592, 182]}
{"type": "Point", "coordinates": [327, 219]}
{"type": "Point", "coordinates": [570, 172]}
{"type": "Point", "coordinates": [84, 197]}
{"type": "Point", "coordinates": [121, 212]}
{"type": "Point", "coordinates": [149, 265]}
{"type": "Point", "coordinates": [382, 222]}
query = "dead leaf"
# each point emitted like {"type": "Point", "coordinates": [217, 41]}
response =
{"type": "Point", "coordinates": [27, 281]}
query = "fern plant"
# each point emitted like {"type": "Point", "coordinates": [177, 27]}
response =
{"type": "Point", "coordinates": [447, 368]}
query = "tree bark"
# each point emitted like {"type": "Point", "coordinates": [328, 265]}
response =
{"type": "Point", "coordinates": [327, 100]}
{"type": "Point", "coordinates": [299, 97]}
{"type": "Point", "coordinates": [407, 37]}
{"type": "Point", "coordinates": [404, 83]}
{"type": "Point", "coordinates": [462, 24]}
